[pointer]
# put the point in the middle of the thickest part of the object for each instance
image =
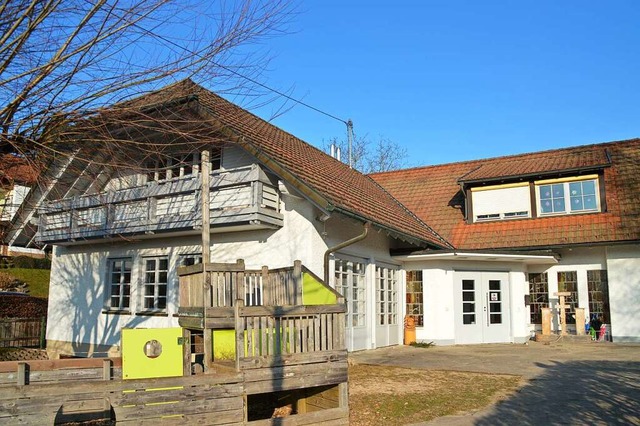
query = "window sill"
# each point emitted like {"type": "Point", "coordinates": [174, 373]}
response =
{"type": "Point", "coordinates": [115, 312]}
{"type": "Point", "coordinates": [152, 314]}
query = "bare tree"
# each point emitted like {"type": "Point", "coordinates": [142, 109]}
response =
{"type": "Point", "coordinates": [61, 60]}
{"type": "Point", "coordinates": [370, 157]}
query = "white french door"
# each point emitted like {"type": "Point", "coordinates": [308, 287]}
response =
{"type": "Point", "coordinates": [481, 307]}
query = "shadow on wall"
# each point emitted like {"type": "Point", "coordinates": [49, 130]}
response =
{"type": "Point", "coordinates": [80, 300]}
{"type": "Point", "coordinates": [583, 392]}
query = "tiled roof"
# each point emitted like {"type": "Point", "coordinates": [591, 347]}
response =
{"type": "Point", "coordinates": [16, 170]}
{"type": "Point", "coordinates": [541, 163]}
{"type": "Point", "coordinates": [433, 194]}
{"type": "Point", "coordinates": [345, 189]}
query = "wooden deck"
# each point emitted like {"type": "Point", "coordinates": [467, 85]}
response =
{"type": "Point", "coordinates": [52, 392]}
{"type": "Point", "coordinates": [286, 355]}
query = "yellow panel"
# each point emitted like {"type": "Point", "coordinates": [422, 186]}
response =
{"type": "Point", "coordinates": [492, 187]}
{"type": "Point", "coordinates": [137, 365]}
{"type": "Point", "coordinates": [315, 292]}
{"type": "Point", "coordinates": [567, 179]}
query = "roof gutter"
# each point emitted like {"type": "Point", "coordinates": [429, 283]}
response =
{"type": "Point", "coordinates": [342, 245]}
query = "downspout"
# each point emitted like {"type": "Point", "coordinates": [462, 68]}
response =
{"type": "Point", "coordinates": [342, 245]}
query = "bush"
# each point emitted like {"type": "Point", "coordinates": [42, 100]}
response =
{"type": "Point", "coordinates": [26, 262]}
{"type": "Point", "coordinates": [5, 280]}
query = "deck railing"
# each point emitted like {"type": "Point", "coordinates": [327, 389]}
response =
{"type": "Point", "coordinates": [270, 336]}
{"type": "Point", "coordinates": [265, 308]}
{"type": "Point", "coordinates": [241, 195]}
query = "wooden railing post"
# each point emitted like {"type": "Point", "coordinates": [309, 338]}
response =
{"type": "Point", "coordinates": [267, 297]}
{"type": "Point", "coordinates": [297, 283]}
{"type": "Point", "coordinates": [239, 327]}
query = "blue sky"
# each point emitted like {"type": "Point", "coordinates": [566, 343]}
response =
{"type": "Point", "coordinates": [458, 80]}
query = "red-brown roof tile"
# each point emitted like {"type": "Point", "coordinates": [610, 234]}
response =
{"type": "Point", "coordinates": [16, 170]}
{"type": "Point", "coordinates": [345, 189]}
{"type": "Point", "coordinates": [433, 194]}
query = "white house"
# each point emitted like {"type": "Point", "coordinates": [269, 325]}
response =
{"type": "Point", "coordinates": [456, 246]}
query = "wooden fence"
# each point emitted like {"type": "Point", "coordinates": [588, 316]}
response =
{"type": "Point", "coordinates": [270, 336]}
{"type": "Point", "coordinates": [22, 332]}
{"type": "Point", "coordinates": [72, 390]}
{"type": "Point", "coordinates": [230, 282]}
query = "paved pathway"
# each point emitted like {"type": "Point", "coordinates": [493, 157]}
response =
{"type": "Point", "coordinates": [567, 383]}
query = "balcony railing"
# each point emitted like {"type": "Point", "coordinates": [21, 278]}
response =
{"type": "Point", "coordinates": [243, 196]}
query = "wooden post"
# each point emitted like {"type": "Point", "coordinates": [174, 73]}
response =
{"type": "Point", "coordinates": [297, 283]}
{"type": "Point", "coordinates": [106, 369]}
{"type": "Point", "coordinates": [267, 297]}
{"type": "Point", "coordinates": [562, 310]}
{"type": "Point", "coordinates": [580, 322]}
{"type": "Point", "coordinates": [205, 173]}
{"type": "Point", "coordinates": [186, 352]}
{"type": "Point", "coordinates": [546, 321]}
{"type": "Point", "coordinates": [239, 332]}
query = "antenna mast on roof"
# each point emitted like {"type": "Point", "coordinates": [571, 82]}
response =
{"type": "Point", "coordinates": [350, 140]}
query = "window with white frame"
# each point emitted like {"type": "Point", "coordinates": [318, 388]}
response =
{"type": "Point", "coordinates": [564, 196]}
{"type": "Point", "coordinates": [538, 295]}
{"type": "Point", "coordinates": [509, 201]}
{"type": "Point", "coordinates": [387, 295]}
{"type": "Point", "coordinates": [119, 278]}
{"type": "Point", "coordinates": [155, 283]}
{"type": "Point", "coordinates": [350, 282]}
{"type": "Point", "coordinates": [415, 304]}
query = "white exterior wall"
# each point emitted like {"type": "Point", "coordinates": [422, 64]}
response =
{"type": "Point", "coordinates": [12, 201]}
{"type": "Point", "coordinates": [581, 260]}
{"type": "Point", "coordinates": [623, 265]}
{"type": "Point", "coordinates": [79, 285]}
{"type": "Point", "coordinates": [372, 251]}
{"type": "Point", "coordinates": [438, 297]}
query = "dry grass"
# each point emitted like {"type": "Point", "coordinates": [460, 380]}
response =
{"type": "Point", "coordinates": [398, 396]}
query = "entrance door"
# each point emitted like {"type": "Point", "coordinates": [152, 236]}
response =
{"type": "Point", "coordinates": [350, 282]}
{"type": "Point", "coordinates": [482, 307]}
{"type": "Point", "coordinates": [387, 326]}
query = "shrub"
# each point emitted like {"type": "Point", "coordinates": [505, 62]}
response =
{"type": "Point", "coordinates": [26, 262]}
{"type": "Point", "coordinates": [5, 280]}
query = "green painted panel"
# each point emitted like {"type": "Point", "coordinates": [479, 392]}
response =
{"type": "Point", "coordinates": [163, 347]}
{"type": "Point", "coordinates": [315, 292]}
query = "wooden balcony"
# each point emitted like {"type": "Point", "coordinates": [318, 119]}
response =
{"type": "Point", "coordinates": [240, 199]}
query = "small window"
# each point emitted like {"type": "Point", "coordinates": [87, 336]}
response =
{"type": "Point", "coordinates": [415, 304]}
{"type": "Point", "coordinates": [119, 276]}
{"type": "Point", "coordinates": [538, 296]}
{"type": "Point", "coordinates": [155, 283]}
{"type": "Point", "coordinates": [568, 197]}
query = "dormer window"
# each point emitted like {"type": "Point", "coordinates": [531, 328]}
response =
{"type": "Point", "coordinates": [497, 202]}
{"type": "Point", "coordinates": [569, 195]}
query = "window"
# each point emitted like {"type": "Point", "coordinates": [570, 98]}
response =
{"type": "Point", "coordinates": [598, 288]}
{"type": "Point", "coordinates": [415, 305]}
{"type": "Point", "coordinates": [568, 282]}
{"type": "Point", "coordinates": [538, 296]}
{"type": "Point", "coordinates": [349, 281]}
{"type": "Point", "coordinates": [190, 259]}
{"type": "Point", "coordinates": [387, 295]}
{"type": "Point", "coordinates": [468, 302]}
{"type": "Point", "coordinates": [508, 201]}
{"type": "Point", "coordinates": [119, 276]}
{"type": "Point", "coordinates": [155, 283]}
{"type": "Point", "coordinates": [178, 166]}
{"type": "Point", "coordinates": [570, 196]}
